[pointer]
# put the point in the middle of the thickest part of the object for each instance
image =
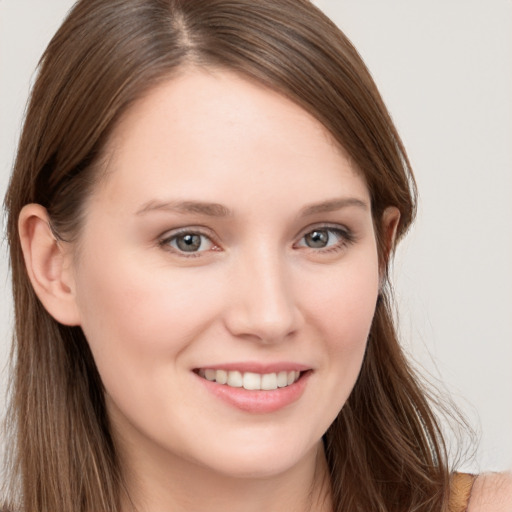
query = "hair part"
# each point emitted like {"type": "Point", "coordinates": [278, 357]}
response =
{"type": "Point", "coordinates": [106, 56]}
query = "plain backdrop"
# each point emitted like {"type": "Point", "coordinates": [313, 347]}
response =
{"type": "Point", "coordinates": [444, 68]}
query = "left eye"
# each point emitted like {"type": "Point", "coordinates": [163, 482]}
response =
{"type": "Point", "coordinates": [189, 242]}
{"type": "Point", "coordinates": [322, 238]}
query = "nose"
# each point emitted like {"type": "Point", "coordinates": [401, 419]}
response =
{"type": "Point", "coordinates": [263, 305]}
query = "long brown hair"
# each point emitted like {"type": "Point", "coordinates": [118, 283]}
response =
{"type": "Point", "coordinates": [385, 449]}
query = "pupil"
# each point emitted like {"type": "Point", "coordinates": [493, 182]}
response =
{"type": "Point", "coordinates": [189, 243]}
{"type": "Point", "coordinates": [317, 239]}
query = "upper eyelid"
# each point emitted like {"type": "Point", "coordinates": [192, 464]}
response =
{"type": "Point", "coordinates": [326, 226]}
{"type": "Point", "coordinates": [196, 230]}
{"type": "Point", "coordinates": [345, 237]}
{"type": "Point", "coordinates": [168, 236]}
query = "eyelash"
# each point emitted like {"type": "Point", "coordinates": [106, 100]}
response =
{"type": "Point", "coordinates": [345, 238]}
{"type": "Point", "coordinates": [165, 242]}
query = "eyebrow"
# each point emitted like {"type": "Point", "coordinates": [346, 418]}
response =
{"type": "Point", "coordinates": [332, 205]}
{"type": "Point", "coordinates": [219, 210]}
{"type": "Point", "coordinates": [210, 209]}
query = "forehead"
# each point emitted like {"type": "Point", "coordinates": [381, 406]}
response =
{"type": "Point", "coordinates": [206, 128]}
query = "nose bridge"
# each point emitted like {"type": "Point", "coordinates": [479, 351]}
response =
{"type": "Point", "coordinates": [263, 303]}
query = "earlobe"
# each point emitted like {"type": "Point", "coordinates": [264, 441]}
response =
{"type": "Point", "coordinates": [49, 265]}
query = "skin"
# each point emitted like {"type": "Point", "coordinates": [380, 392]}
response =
{"type": "Point", "coordinates": [492, 492]}
{"type": "Point", "coordinates": [254, 291]}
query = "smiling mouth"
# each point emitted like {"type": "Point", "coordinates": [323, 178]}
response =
{"type": "Point", "coordinates": [250, 380]}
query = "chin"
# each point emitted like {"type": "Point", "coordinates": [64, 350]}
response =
{"type": "Point", "coordinates": [259, 461]}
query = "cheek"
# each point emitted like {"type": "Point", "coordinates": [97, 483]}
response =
{"type": "Point", "coordinates": [135, 315]}
{"type": "Point", "coordinates": [343, 302]}
{"type": "Point", "coordinates": [343, 310]}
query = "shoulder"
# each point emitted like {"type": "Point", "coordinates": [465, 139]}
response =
{"type": "Point", "coordinates": [492, 492]}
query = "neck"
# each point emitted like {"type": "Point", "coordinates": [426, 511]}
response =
{"type": "Point", "coordinates": [184, 486]}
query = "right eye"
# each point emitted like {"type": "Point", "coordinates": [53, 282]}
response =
{"type": "Point", "coordinates": [188, 243]}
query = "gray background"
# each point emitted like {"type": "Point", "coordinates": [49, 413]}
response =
{"type": "Point", "coordinates": [444, 68]}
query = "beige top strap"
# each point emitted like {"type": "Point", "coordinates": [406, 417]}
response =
{"type": "Point", "coordinates": [460, 491]}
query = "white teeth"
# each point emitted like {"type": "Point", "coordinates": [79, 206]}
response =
{"type": "Point", "coordinates": [250, 380]}
{"type": "Point", "coordinates": [235, 379]}
{"type": "Point", "coordinates": [269, 381]}
{"type": "Point", "coordinates": [221, 376]}
{"type": "Point", "coordinates": [282, 379]}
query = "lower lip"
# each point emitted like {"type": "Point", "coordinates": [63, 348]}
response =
{"type": "Point", "coordinates": [258, 401]}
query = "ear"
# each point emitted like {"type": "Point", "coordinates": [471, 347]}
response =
{"type": "Point", "coordinates": [49, 264]}
{"type": "Point", "coordinates": [389, 226]}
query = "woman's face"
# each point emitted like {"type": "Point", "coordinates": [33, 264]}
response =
{"type": "Point", "coordinates": [231, 239]}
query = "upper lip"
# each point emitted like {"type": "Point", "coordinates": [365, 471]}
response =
{"type": "Point", "coordinates": [257, 367]}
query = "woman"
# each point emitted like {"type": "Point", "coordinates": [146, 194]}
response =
{"type": "Point", "coordinates": [205, 201]}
